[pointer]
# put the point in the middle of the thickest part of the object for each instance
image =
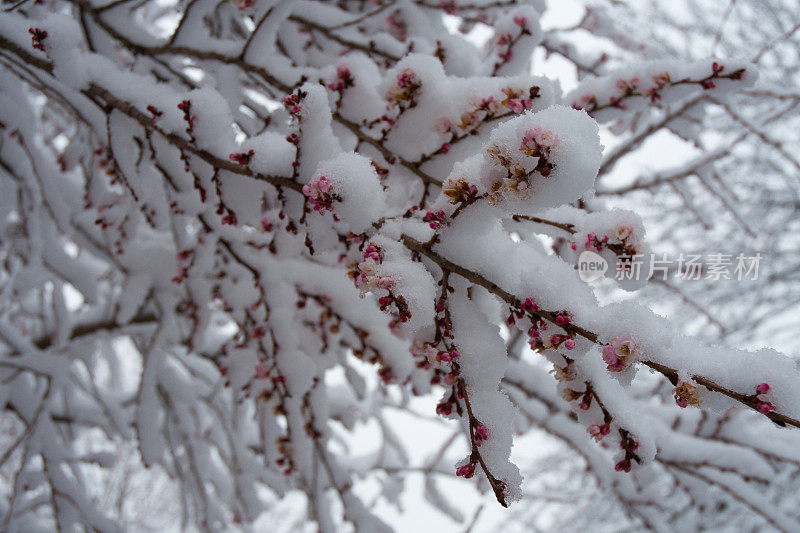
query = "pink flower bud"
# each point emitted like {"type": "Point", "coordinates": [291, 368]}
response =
{"type": "Point", "coordinates": [623, 466]}
{"type": "Point", "coordinates": [466, 471]}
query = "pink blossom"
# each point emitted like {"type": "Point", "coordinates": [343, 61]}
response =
{"type": "Point", "coordinates": [318, 194]}
{"type": "Point", "coordinates": [515, 104]}
{"type": "Point", "coordinates": [765, 408]}
{"type": "Point", "coordinates": [407, 78]}
{"type": "Point", "coordinates": [761, 388]}
{"type": "Point", "coordinates": [620, 353]}
{"type": "Point", "coordinates": [685, 394]}
{"type": "Point", "coordinates": [624, 231]}
{"type": "Point", "coordinates": [442, 125]}
{"type": "Point", "coordinates": [598, 432]}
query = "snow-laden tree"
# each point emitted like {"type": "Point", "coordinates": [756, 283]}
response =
{"type": "Point", "coordinates": [733, 185]}
{"type": "Point", "coordinates": [236, 234]}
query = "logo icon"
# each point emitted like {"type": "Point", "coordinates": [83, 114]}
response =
{"type": "Point", "coordinates": [591, 266]}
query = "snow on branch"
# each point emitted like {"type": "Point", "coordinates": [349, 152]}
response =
{"type": "Point", "coordinates": [235, 233]}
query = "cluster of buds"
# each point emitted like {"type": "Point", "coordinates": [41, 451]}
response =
{"type": "Point", "coordinates": [597, 432]}
{"type": "Point", "coordinates": [344, 79]}
{"type": "Point", "coordinates": [428, 356]}
{"type": "Point", "coordinates": [629, 444]}
{"type": "Point", "coordinates": [186, 107]}
{"type": "Point", "coordinates": [444, 408]}
{"type": "Point", "coordinates": [507, 40]}
{"type": "Point", "coordinates": [423, 353]}
{"type": "Point", "coordinates": [519, 312]}
{"type": "Point", "coordinates": [320, 195]}
{"type": "Point", "coordinates": [38, 36]}
{"type": "Point", "coordinates": [622, 243]}
{"type": "Point", "coordinates": [685, 394]}
{"type": "Point", "coordinates": [403, 312]}
{"type": "Point", "coordinates": [468, 470]}
{"type": "Point", "coordinates": [515, 101]}
{"type": "Point", "coordinates": [627, 88]}
{"type": "Point", "coordinates": [538, 141]}
{"type": "Point", "coordinates": [185, 258]}
{"type": "Point", "coordinates": [562, 318]}
{"type": "Point", "coordinates": [535, 147]}
{"type": "Point", "coordinates": [292, 102]}
{"type": "Point", "coordinates": [620, 354]}
{"type": "Point", "coordinates": [403, 92]}
{"type": "Point", "coordinates": [242, 158]}
{"type": "Point", "coordinates": [592, 241]}
{"type": "Point", "coordinates": [538, 324]}
{"type": "Point", "coordinates": [434, 218]}
{"type": "Point", "coordinates": [763, 406]}
{"type": "Point", "coordinates": [660, 81]}
{"type": "Point", "coordinates": [365, 274]}
{"type": "Point", "coordinates": [716, 69]}
{"type": "Point", "coordinates": [460, 191]}
{"type": "Point", "coordinates": [227, 214]}
{"type": "Point", "coordinates": [558, 339]}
